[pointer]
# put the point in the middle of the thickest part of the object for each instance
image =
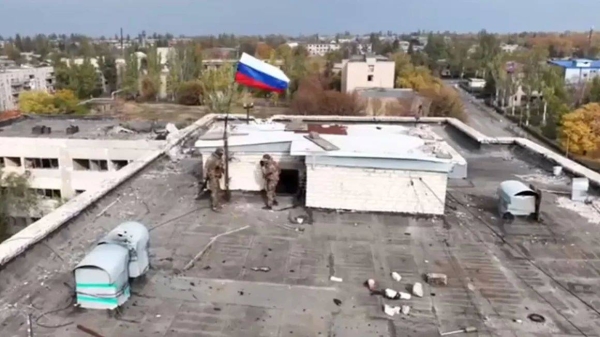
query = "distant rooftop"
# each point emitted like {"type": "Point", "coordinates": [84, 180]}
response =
{"type": "Point", "coordinates": [576, 63]}
{"type": "Point", "coordinates": [386, 93]}
{"type": "Point", "coordinates": [105, 128]}
{"type": "Point", "coordinates": [362, 58]}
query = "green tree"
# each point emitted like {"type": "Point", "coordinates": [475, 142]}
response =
{"type": "Point", "coordinates": [85, 80]}
{"type": "Point", "coordinates": [488, 47]}
{"type": "Point", "coordinates": [15, 196]}
{"type": "Point", "coordinates": [108, 66]}
{"type": "Point", "coordinates": [131, 75]}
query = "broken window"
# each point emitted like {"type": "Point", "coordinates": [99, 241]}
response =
{"type": "Point", "coordinates": [41, 163]}
{"type": "Point", "coordinates": [81, 164]}
{"type": "Point", "coordinates": [48, 193]}
{"type": "Point", "coordinates": [90, 165]}
{"type": "Point", "coordinates": [119, 164]}
{"type": "Point", "coordinates": [370, 78]}
{"type": "Point", "coordinates": [12, 162]}
{"type": "Point", "coordinates": [99, 165]}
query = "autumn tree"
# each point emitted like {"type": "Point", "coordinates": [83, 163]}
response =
{"type": "Point", "coordinates": [312, 98]}
{"type": "Point", "coordinates": [263, 51]}
{"type": "Point", "coordinates": [37, 102]}
{"type": "Point", "coordinates": [580, 129]}
{"type": "Point", "coordinates": [16, 195]}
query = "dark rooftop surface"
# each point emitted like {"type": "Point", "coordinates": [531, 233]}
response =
{"type": "Point", "coordinates": [498, 273]}
{"type": "Point", "coordinates": [88, 128]}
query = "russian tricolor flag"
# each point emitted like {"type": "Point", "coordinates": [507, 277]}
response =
{"type": "Point", "coordinates": [255, 73]}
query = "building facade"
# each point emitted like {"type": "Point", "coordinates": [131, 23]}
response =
{"type": "Point", "coordinates": [15, 81]}
{"type": "Point", "coordinates": [577, 70]}
{"type": "Point", "coordinates": [320, 49]}
{"type": "Point", "coordinates": [368, 72]}
{"type": "Point", "coordinates": [374, 168]}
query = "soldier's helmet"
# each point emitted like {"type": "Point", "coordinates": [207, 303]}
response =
{"type": "Point", "coordinates": [266, 157]}
{"type": "Point", "coordinates": [219, 151]}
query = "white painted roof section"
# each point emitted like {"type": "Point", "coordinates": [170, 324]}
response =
{"type": "Point", "coordinates": [263, 67]}
{"type": "Point", "coordinates": [253, 138]}
{"type": "Point", "coordinates": [361, 141]}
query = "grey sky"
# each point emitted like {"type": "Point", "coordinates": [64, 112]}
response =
{"type": "Point", "coordinates": [198, 17]}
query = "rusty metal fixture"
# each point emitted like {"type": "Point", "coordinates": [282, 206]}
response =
{"type": "Point", "coordinates": [536, 318]}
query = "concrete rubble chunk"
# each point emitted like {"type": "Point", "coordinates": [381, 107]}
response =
{"type": "Point", "coordinates": [405, 309]}
{"type": "Point", "coordinates": [371, 284]}
{"type": "Point", "coordinates": [336, 279]}
{"type": "Point", "coordinates": [437, 279]}
{"type": "Point", "coordinates": [404, 296]}
{"type": "Point", "coordinates": [390, 293]}
{"type": "Point", "coordinates": [390, 310]}
{"type": "Point", "coordinates": [417, 289]}
{"type": "Point", "coordinates": [396, 277]}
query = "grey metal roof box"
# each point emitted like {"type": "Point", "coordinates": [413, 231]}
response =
{"type": "Point", "coordinates": [102, 278]}
{"type": "Point", "coordinates": [516, 199]}
{"type": "Point", "coordinates": [135, 237]}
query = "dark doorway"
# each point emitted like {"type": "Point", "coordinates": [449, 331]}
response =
{"type": "Point", "coordinates": [289, 182]}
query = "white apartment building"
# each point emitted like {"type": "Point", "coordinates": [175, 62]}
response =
{"type": "Point", "coordinates": [320, 49]}
{"type": "Point", "coordinates": [367, 71]}
{"type": "Point", "coordinates": [14, 81]}
{"type": "Point", "coordinates": [60, 169]}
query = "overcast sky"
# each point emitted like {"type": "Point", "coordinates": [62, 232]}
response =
{"type": "Point", "coordinates": [199, 17]}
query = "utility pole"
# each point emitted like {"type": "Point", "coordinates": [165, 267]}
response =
{"type": "Point", "coordinates": [226, 150]}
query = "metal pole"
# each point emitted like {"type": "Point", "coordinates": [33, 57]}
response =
{"type": "Point", "coordinates": [29, 326]}
{"type": "Point", "coordinates": [226, 150]}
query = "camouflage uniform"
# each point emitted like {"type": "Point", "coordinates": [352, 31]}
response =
{"type": "Point", "coordinates": [270, 171]}
{"type": "Point", "coordinates": [213, 172]}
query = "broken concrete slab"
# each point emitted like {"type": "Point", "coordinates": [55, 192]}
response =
{"type": "Point", "coordinates": [436, 279]}
{"type": "Point", "coordinates": [417, 289]}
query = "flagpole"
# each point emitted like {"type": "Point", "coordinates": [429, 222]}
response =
{"type": "Point", "coordinates": [226, 133]}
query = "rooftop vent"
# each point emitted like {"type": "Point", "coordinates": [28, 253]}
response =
{"type": "Point", "coordinates": [41, 129]}
{"type": "Point", "coordinates": [102, 277]}
{"type": "Point", "coordinates": [72, 129]}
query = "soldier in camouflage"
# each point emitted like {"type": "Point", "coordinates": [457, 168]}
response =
{"type": "Point", "coordinates": [270, 170]}
{"type": "Point", "coordinates": [213, 172]}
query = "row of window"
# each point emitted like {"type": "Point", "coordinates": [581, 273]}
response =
{"type": "Point", "coordinates": [52, 163]}
{"type": "Point", "coordinates": [46, 193]}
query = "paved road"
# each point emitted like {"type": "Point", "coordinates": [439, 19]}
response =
{"type": "Point", "coordinates": [484, 119]}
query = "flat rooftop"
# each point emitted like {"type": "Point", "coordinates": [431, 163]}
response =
{"type": "Point", "coordinates": [100, 128]}
{"type": "Point", "coordinates": [498, 273]}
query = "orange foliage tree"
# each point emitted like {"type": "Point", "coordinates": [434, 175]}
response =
{"type": "Point", "coordinates": [313, 98]}
{"type": "Point", "coordinates": [580, 129]}
{"type": "Point", "coordinates": [263, 51]}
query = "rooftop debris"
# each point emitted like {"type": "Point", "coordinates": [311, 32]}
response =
{"type": "Point", "coordinates": [396, 277]}
{"type": "Point", "coordinates": [417, 289]}
{"type": "Point", "coordinates": [437, 279]}
{"type": "Point", "coordinates": [468, 329]}
{"type": "Point", "coordinates": [336, 279]}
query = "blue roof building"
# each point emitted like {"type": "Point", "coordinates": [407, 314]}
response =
{"type": "Point", "coordinates": [578, 70]}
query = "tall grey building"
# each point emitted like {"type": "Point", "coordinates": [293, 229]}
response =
{"type": "Point", "coordinates": [14, 81]}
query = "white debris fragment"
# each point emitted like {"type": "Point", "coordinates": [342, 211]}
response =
{"type": "Point", "coordinates": [396, 277]}
{"type": "Point", "coordinates": [391, 311]}
{"type": "Point", "coordinates": [542, 178]}
{"type": "Point", "coordinates": [158, 316]}
{"type": "Point", "coordinates": [437, 279]}
{"type": "Point", "coordinates": [588, 211]}
{"type": "Point", "coordinates": [405, 309]}
{"type": "Point", "coordinates": [335, 279]}
{"type": "Point", "coordinates": [417, 289]}
{"type": "Point", "coordinates": [404, 296]}
{"type": "Point", "coordinates": [390, 293]}
{"type": "Point", "coordinates": [371, 284]}
{"type": "Point", "coordinates": [517, 321]}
